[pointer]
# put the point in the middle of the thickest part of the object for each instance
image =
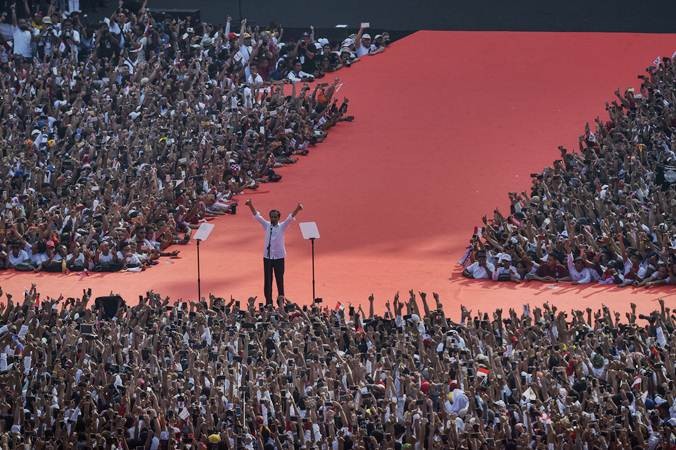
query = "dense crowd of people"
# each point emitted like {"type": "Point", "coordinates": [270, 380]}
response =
{"type": "Point", "coordinates": [226, 374]}
{"type": "Point", "coordinates": [603, 215]}
{"type": "Point", "coordinates": [120, 138]}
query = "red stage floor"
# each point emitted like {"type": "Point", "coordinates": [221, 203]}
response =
{"type": "Point", "coordinates": [446, 124]}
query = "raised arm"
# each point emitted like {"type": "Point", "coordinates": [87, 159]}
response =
{"type": "Point", "coordinates": [357, 39]}
{"type": "Point", "coordinates": [14, 21]}
{"type": "Point", "coordinates": [242, 30]}
{"type": "Point", "coordinates": [249, 203]}
{"type": "Point", "coordinates": [299, 208]}
{"type": "Point", "coordinates": [228, 21]}
{"type": "Point", "coordinates": [52, 7]}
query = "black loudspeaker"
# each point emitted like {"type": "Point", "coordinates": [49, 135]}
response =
{"type": "Point", "coordinates": [194, 14]}
{"type": "Point", "coordinates": [109, 305]}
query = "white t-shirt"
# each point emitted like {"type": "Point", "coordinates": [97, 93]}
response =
{"type": "Point", "coordinates": [300, 76]}
{"type": "Point", "coordinates": [460, 402]}
{"type": "Point", "coordinates": [38, 258]}
{"type": "Point", "coordinates": [361, 50]}
{"type": "Point", "coordinates": [257, 80]}
{"type": "Point", "coordinates": [584, 276]}
{"type": "Point", "coordinates": [245, 53]}
{"type": "Point", "coordinates": [22, 42]}
{"type": "Point", "coordinates": [480, 273]}
{"type": "Point", "coordinates": [105, 258]}
{"type": "Point", "coordinates": [79, 259]}
{"type": "Point", "coordinates": [14, 260]}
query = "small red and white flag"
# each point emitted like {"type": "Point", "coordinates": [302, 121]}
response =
{"type": "Point", "coordinates": [483, 372]}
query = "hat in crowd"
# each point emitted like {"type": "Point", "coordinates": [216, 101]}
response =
{"type": "Point", "coordinates": [504, 257]}
{"type": "Point", "coordinates": [366, 36]}
{"type": "Point", "coordinates": [50, 243]}
{"type": "Point", "coordinates": [214, 438]}
{"type": "Point", "coordinates": [347, 42]}
{"type": "Point", "coordinates": [47, 20]}
{"type": "Point", "coordinates": [323, 41]}
{"type": "Point", "coordinates": [482, 359]}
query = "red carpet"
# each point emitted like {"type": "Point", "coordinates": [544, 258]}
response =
{"type": "Point", "coordinates": [446, 124]}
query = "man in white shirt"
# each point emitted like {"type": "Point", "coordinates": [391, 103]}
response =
{"type": "Point", "coordinates": [17, 255]}
{"type": "Point", "coordinates": [479, 269]}
{"type": "Point", "coordinates": [298, 75]}
{"type": "Point", "coordinates": [456, 402]}
{"type": "Point", "coordinates": [253, 78]}
{"type": "Point", "coordinates": [505, 270]}
{"type": "Point", "coordinates": [364, 45]}
{"type": "Point", "coordinates": [579, 274]}
{"type": "Point", "coordinates": [274, 251]}
{"type": "Point", "coordinates": [22, 36]}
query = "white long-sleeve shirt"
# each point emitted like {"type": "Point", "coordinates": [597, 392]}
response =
{"type": "Point", "coordinates": [460, 402]}
{"type": "Point", "coordinates": [273, 247]}
{"type": "Point", "coordinates": [300, 76]}
{"type": "Point", "coordinates": [478, 272]}
{"type": "Point", "coordinates": [581, 277]}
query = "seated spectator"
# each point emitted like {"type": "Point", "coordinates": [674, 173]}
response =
{"type": "Point", "coordinates": [579, 273]}
{"type": "Point", "coordinates": [603, 212]}
{"type": "Point", "coordinates": [505, 270]}
{"type": "Point", "coordinates": [479, 269]}
{"type": "Point", "coordinates": [121, 140]}
{"type": "Point", "coordinates": [296, 74]}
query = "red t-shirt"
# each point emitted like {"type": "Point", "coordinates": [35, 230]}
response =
{"type": "Point", "coordinates": [558, 271]}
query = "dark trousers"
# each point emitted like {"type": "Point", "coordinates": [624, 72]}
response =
{"type": "Point", "coordinates": [270, 266]}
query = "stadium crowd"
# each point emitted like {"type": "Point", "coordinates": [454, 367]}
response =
{"type": "Point", "coordinates": [603, 215]}
{"type": "Point", "coordinates": [118, 139]}
{"type": "Point", "coordinates": [226, 374]}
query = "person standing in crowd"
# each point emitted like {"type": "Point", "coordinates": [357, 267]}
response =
{"type": "Point", "coordinates": [204, 375]}
{"type": "Point", "coordinates": [22, 36]}
{"type": "Point", "coordinates": [110, 154]}
{"type": "Point", "coordinates": [274, 251]}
